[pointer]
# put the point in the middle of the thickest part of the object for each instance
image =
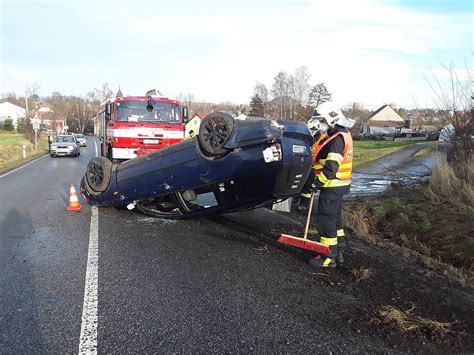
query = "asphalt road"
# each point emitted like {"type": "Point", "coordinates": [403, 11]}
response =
{"type": "Point", "coordinates": [205, 285]}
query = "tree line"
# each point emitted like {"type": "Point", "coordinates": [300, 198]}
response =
{"type": "Point", "coordinates": [291, 96]}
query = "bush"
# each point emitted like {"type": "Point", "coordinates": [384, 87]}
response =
{"type": "Point", "coordinates": [8, 125]}
{"type": "Point", "coordinates": [24, 126]}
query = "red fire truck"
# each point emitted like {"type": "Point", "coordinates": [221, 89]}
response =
{"type": "Point", "coordinates": [131, 126]}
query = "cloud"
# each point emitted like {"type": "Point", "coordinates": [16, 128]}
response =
{"type": "Point", "coordinates": [366, 50]}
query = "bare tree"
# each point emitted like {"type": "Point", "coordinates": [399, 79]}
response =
{"type": "Point", "coordinates": [455, 96]}
{"type": "Point", "coordinates": [31, 93]}
{"type": "Point", "coordinates": [83, 109]}
{"type": "Point", "coordinates": [280, 89]}
{"type": "Point", "coordinates": [301, 84]}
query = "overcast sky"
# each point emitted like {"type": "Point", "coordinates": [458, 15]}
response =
{"type": "Point", "coordinates": [369, 51]}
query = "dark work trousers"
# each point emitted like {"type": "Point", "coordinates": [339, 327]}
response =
{"type": "Point", "coordinates": [329, 217]}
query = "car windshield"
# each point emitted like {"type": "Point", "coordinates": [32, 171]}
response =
{"type": "Point", "coordinates": [79, 136]}
{"type": "Point", "coordinates": [64, 139]}
{"type": "Point", "coordinates": [136, 111]}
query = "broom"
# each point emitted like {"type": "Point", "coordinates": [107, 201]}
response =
{"type": "Point", "coordinates": [305, 243]}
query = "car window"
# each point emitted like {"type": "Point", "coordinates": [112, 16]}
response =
{"type": "Point", "coordinates": [65, 139]}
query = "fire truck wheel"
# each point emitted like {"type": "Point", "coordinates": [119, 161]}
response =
{"type": "Point", "coordinates": [214, 132]}
{"type": "Point", "coordinates": [98, 173]}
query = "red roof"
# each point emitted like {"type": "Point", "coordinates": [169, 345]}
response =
{"type": "Point", "coordinates": [201, 115]}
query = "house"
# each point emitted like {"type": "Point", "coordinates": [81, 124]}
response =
{"type": "Point", "coordinates": [11, 111]}
{"type": "Point", "coordinates": [385, 121]}
{"type": "Point", "coordinates": [192, 127]}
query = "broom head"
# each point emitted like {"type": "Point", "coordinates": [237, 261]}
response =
{"type": "Point", "coordinates": [304, 244]}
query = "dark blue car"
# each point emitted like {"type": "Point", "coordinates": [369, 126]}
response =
{"type": "Point", "coordinates": [231, 165]}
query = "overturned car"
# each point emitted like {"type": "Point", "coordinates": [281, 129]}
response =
{"type": "Point", "coordinates": [232, 165]}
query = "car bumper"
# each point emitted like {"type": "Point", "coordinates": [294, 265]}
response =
{"type": "Point", "coordinates": [63, 152]}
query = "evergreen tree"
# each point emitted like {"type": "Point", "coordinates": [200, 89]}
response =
{"type": "Point", "coordinates": [257, 107]}
{"type": "Point", "coordinates": [318, 95]}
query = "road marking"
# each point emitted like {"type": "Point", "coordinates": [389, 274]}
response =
{"type": "Point", "coordinates": [21, 167]}
{"type": "Point", "coordinates": [88, 339]}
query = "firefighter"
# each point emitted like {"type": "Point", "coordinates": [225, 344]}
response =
{"type": "Point", "coordinates": [332, 176]}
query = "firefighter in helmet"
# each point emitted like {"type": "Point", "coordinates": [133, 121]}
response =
{"type": "Point", "coordinates": [332, 175]}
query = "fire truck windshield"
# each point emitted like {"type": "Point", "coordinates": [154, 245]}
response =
{"type": "Point", "coordinates": [136, 111]}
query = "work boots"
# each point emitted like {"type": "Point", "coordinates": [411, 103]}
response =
{"type": "Point", "coordinates": [341, 246]}
{"type": "Point", "coordinates": [329, 260]}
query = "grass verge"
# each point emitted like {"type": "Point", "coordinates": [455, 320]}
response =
{"type": "Point", "coordinates": [425, 151]}
{"type": "Point", "coordinates": [432, 224]}
{"type": "Point", "coordinates": [11, 149]}
{"type": "Point", "coordinates": [407, 322]}
{"type": "Point", "coordinates": [366, 152]}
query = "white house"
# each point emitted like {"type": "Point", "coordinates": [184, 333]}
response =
{"type": "Point", "coordinates": [385, 121]}
{"type": "Point", "coordinates": [192, 127]}
{"type": "Point", "coordinates": [11, 111]}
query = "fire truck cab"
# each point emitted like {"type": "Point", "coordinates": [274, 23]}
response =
{"type": "Point", "coordinates": [132, 126]}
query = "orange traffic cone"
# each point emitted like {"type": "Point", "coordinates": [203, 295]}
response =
{"type": "Point", "coordinates": [74, 204]}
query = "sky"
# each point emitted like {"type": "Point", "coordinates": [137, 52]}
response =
{"type": "Point", "coordinates": [367, 51]}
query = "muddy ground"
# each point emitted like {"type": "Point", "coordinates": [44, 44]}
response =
{"type": "Point", "coordinates": [354, 304]}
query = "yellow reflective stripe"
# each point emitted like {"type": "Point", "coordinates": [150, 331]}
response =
{"type": "Point", "coordinates": [340, 233]}
{"type": "Point", "coordinates": [318, 167]}
{"type": "Point", "coordinates": [327, 262]}
{"type": "Point", "coordinates": [337, 183]}
{"type": "Point", "coordinates": [305, 195]}
{"type": "Point", "coordinates": [323, 178]}
{"type": "Point", "coordinates": [343, 174]}
{"type": "Point", "coordinates": [328, 241]}
{"type": "Point", "coordinates": [346, 166]}
{"type": "Point", "coordinates": [336, 157]}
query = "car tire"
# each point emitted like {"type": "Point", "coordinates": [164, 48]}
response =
{"type": "Point", "coordinates": [52, 155]}
{"type": "Point", "coordinates": [98, 173]}
{"type": "Point", "coordinates": [214, 132]}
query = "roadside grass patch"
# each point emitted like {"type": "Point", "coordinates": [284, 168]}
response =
{"type": "Point", "coordinates": [11, 149]}
{"type": "Point", "coordinates": [432, 224]}
{"type": "Point", "coordinates": [368, 151]}
{"type": "Point", "coordinates": [427, 150]}
{"type": "Point", "coordinates": [407, 322]}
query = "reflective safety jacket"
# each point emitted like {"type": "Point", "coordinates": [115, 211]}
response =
{"type": "Point", "coordinates": [317, 142]}
{"type": "Point", "coordinates": [333, 162]}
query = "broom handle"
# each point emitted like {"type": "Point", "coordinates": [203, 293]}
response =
{"type": "Point", "coordinates": [310, 209]}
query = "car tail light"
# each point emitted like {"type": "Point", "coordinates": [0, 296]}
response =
{"type": "Point", "coordinates": [272, 153]}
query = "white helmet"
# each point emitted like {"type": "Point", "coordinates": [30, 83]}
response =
{"type": "Point", "coordinates": [331, 112]}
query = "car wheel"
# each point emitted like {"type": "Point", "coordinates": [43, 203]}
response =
{"type": "Point", "coordinates": [98, 173]}
{"type": "Point", "coordinates": [52, 155]}
{"type": "Point", "coordinates": [214, 132]}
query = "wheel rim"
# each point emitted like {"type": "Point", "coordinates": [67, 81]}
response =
{"type": "Point", "coordinates": [96, 174]}
{"type": "Point", "coordinates": [215, 133]}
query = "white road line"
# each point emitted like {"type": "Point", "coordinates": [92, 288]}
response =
{"type": "Point", "coordinates": [88, 339]}
{"type": "Point", "coordinates": [21, 167]}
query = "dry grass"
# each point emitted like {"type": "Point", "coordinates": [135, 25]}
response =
{"type": "Point", "coordinates": [407, 322]}
{"type": "Point", "coordinates": [446, 187]}
{"type": "Point", "coordinates": [11, 150]}
{"type": "Point", "coordinates": [428, 224]}
{"type": "Point", "coordinates": [362, 274]}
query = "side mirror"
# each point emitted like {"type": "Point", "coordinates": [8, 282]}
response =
{"type": "Point", "coordinates": [185, 114]}
{"type": "Point", "coordinates": [108, 111]}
